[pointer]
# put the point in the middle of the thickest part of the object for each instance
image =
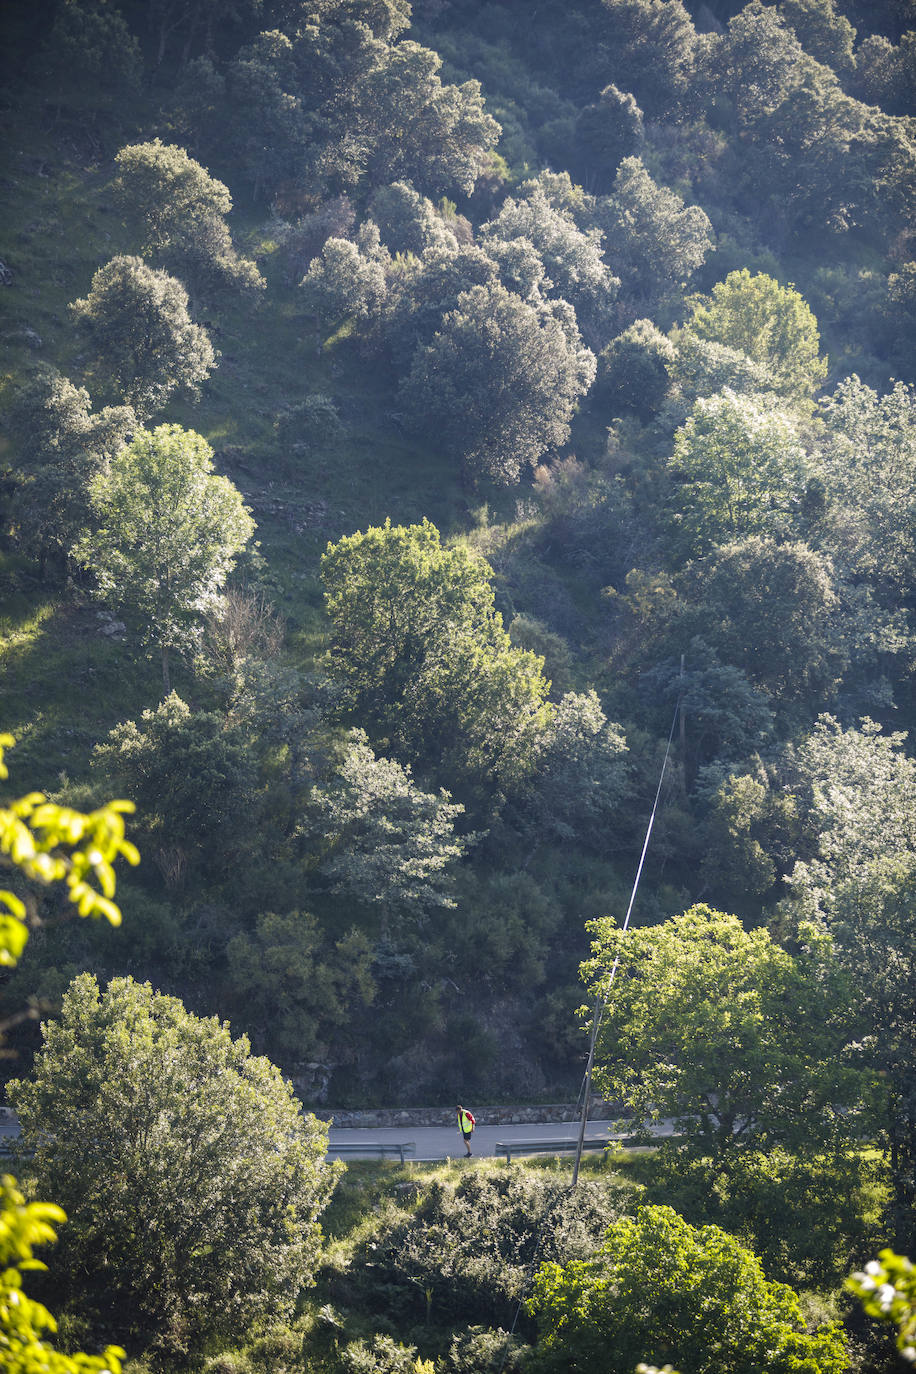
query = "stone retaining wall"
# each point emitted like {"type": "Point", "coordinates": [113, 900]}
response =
{"type": "Point", "coordinates": [445, 1116]}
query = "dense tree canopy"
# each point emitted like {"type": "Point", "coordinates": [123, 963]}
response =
{"type": "Point", "coordinates": [661, 1288]}
{"type": "Point", "coordinates": [180, 212]}
{"type": "Point", "coordinates": [723, 1030]}
{"type": "Point", "coordinates": [769, 323]}
{"type": "Point", "coordinates": [499, 381]}
{"type": "Point", "coordinates": [192, 1180]}
{"type": "Point", "coordinates": [423, 657]}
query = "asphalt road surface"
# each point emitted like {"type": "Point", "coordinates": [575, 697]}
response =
{"type": "Point", "coordinates": [441, 1142]}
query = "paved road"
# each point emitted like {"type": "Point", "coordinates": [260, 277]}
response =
{"type": "Point", "coordinates": [431, 1142]}
{"type": "Point", "coordinates": [441, 1142]}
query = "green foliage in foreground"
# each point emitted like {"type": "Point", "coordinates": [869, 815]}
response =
{"type": "Point", "coordinates": [191, 1177]}
{"type": "Point", "coordinates": [887, 1288]}
{"type": "Point", "coordinates": [466, 1253]}
{"type": "Point", "coordinates": [23, 1349]}
{"type": "Point", "coordinates": [659, 1287]}
{"type": "Point", "coordinates": [52, 844]}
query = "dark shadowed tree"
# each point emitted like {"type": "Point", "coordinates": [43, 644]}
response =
{"type": "Point", "coordinates": [91, 60]}
{"type": "Point", "coordinates": [498, 385]}
{"type": "Point", "coordinates": [772, 610]}
{"type": "Point", "coordinates": [652, 239]}
{"type": "Point", "coordinates": [59, 447]}
{"type": "Point", "coordinates": [179, 210]}
{"type": "Point", "coordinates": [607, 131]}
{"type": "Point", "coordinates": [194, 779]}
{"type": "Point", "coordinates": [147, 346]}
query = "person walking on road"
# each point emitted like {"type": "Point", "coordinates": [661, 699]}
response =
{"type": "Point", "coordinates": [466, 1124]}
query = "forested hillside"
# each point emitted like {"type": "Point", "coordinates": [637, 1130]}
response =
{"type": "Point", "coordinates": [610, 316]}
{"type": "Point", "coordinates": [412, 418]}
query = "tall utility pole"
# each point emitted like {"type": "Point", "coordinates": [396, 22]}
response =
{"type": "Point", "coordinates": [602, 1002]}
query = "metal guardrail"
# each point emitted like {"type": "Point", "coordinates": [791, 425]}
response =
{"type": "Point", "coordinates": [379, 1147]}
{"type": "Point", "coordinates": [547, 1147]}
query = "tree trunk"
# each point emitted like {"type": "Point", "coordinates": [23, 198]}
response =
{"type": "Point", "coordinates": [166, 681]}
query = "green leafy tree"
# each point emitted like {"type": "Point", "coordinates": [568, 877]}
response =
{"type": "Point", "coordinates": [193, 777]}
{"type": "Point", "coordinates": [180, 213]}
{"type": "Point", "coordinates": [769, 323]}
{"type": "Point", "coordinates": [499, 382]}
{"type": "Point", "coordinates": [381, 840]}
{"type": "Point", "coordinates": [574, 268]}
{"type": "Point", "coordinates": [758, 64]}
{"type": "Point", "coordinates": [345, 281]}
{"type": "Point", "coordinates": [167, 535]}
{"type": "Point", "coordinates": [856, 793]}
{"type": "Point", "coordinates": [423, 658]}
{"type": "Point", "coordinates": [582, 775]}
{"type": "Point", "coordinates": [429, 287]}
{"type": "Point", "coordinates": [867, 463]}
{"type": "Point", "coordinates": [724, 718]}
{"type": "Point", "coordinates": [191, 1177]}
{"type": "Point", "coordinates": [724, 1031]}
{"type": "Point", "coordinates": [296, 989]}
{"type": "Point", "coordinates": [440, 137]}
{"type": "Point", "coordinates": [822, 32]}
{"type": "Point", "coordinates": [694, 1296]}
{"type": "Point", "coordinates": [408, 222]}
{"type": "Point", "coordinates": [60, 445]}
{"type": "Point", "coordinates": [739, 469]}
{"type": "Point", "coordinates": [256, 112]}
{"type": "Point", "coordinates": [146, 342]}
{"type": "Point", "coordinates": [654, 242]}
{"type": "Point", "coordinates": [700, 368]}
{"type": "Point", "coordinates": [466, 1252]}
{"type": "Point", "coordinates": [774, 611]}
{"type": "Point", "coordinates": [884, 72]}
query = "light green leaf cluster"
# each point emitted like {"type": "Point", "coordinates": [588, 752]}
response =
{"type": "Point", "coordinates": [771, 324]}
{"type": "Point", "coordinates": [739, 467]}
{"type": "Point", "coordinates": [22, 1320]}
{"type": "Point", "coordinates": [723, 1030]}
{"type": "Point", "coordinates": [887, 1288]}
{"type": "Point", "coordinates": [54, 843]}
{"type": "Point", "coordinates": [659, 1286]}
{"type": "Point", "coordinates": [417, 642]}
{"type": "Point", "coordinates": [192, 1178]}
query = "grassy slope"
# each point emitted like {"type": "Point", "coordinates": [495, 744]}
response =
{"type": "Point", "coordinates": [61, 684]}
